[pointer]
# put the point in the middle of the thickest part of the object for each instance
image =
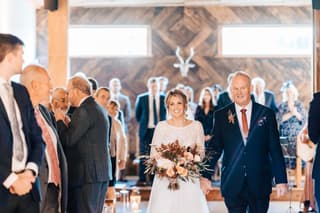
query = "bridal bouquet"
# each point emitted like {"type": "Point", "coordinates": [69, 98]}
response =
{"type": "Point", "coordinates": [174, 161]}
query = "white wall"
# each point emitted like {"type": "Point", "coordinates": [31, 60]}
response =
{"type": "Point", "coordinates": [18, 17]}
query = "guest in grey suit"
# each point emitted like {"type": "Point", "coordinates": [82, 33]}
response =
{"type": "Point", "coordinates": [86, 144]}
{"type": "Point", "coordinates": [53, 171]}
{"type": "Point", "coordinates": [263, 96]}
{"type": "Point", "coordinates": [115, 89]}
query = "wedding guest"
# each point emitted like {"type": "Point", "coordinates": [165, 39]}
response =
{"type": "Point", "coordinates": [94, 84]}
{"type": "Point", "coordinates": [189, 112]}
{"type": "Point", "coordinates": [303, 143]}
{"type": "Point", "coordinates": [189, 197]}
{"type": "Point", "coordinates": [115, 89]}
{"type": "Point", "coordinates": [85, 141]}
{"type": "Point", "coordinates": [314, 134]}
{"type": "Point", "coordinates": [118, 146]}
{"type": "Point", "coordinates": [216, 90]}
{"type": "Point", "coordinates": [150, 109]}
{"type": "Point", "coordinates": [192, 106]}
{"type": "Point", "coordinates": [263, 96]}
{"type": "Point", "coordinates": [21, 144]}
{"type": "Point", "coordinates": [291, 119]}
{"type": "Point", "coordinates": [205, 112]}
{"type": "Point", "coordinates": [117, 138]}
{"type": "Point", "coordinates": [225, 97]}
{"type": "Point", "coordinates": [53, 173]}
{"type": "Point", "coordinates": [59, 99]}
{"type": "Point", "coordinates": [247, 135]}
{"type": "Point", "coordinates": [116, 94]}
{"type": "Point", "coordinates": [163, 81]}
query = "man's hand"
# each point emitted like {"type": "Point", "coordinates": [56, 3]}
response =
{"type": "Point", "coordinates": [59, 114]}
{"type": "Point", "coordinates": [282, 189]}
{"type": "Point", "coordinates": [23, 184]}
{"type": "Point", "coordinates": [205, 185]}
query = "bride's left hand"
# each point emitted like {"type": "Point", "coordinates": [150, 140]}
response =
{"type": "Point", "coordinates": [205, 185]}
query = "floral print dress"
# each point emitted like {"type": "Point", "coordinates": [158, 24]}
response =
{"type": "Point", "coordinates": [290, 129]}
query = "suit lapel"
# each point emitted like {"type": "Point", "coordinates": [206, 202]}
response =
{"type": "Point", "coordinates": [45, 114]}
{"type": "Point", "coordinates": [235, 124]}
{"type": "Point", "coordinates": [255, 115]}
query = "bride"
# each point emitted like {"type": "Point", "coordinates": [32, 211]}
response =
{"type": "Point", "coordinates": [189, 198]}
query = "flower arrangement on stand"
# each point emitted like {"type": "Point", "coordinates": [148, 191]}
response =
{"type": "Point", "coordinates": [174, 161]}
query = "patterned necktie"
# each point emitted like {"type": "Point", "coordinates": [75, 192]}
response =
{"type": "Point", "coordinates": [155, 114]}
{"type": "Point", "coordinates": [244, 122]}
{"type": "Point", "coordinates": [12, 114]}
{"type": "Point", "coordinates": [54, 162]}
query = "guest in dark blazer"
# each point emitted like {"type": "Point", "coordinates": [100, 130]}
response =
{"type": "Point", "coordinates": [86, 144]}
{"type": "Point", "coordinates": [205, 113]}
{"type": "Point", "coordinates": [21, 148]}
{"type": "Point", "coordinates": [224, 98]}
{"type": "Point", "coordinates": [115, 89]}
{"type": "Point", "coordinates": [150, 109]}
{"type": "Point", "coordinates": [314, 134]}
{"type": "Point", "coordinates": [246, 132]}
{"type": "Point", "coordinates": [53, 173]}
{"type": "Point", "coordinates": [263, 96]}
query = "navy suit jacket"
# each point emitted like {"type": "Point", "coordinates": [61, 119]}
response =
{"type": "Point", "coordinates": [270, 101]}
{"type": "Point", "coordinates": [314, 132]}
{"type": "Point", "coordinates": [86, 144]}
{"type": "Point", "coordinates": [258, 160]}
{"type": "Point", "coordinates": [44, 171]}
{"type": "Point", "coordinates": [142, 112]}
{"type": "Point", "coordinates": [33, 138]}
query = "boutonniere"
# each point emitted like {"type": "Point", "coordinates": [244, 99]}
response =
{"type": "Point", "coordinates": [231, 117]}
{"type": "Point", "coordinates": [262, 121]}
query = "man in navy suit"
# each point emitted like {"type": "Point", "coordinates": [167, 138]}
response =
{"type": "Point", "coordinates": [246, 132]}
{"type": "Point", "coordinates": [150, 109]}
{"type": "Point", "coordinates": [314, 134]}
{"type": "Point", "coordinates": [263, 96]}
{"type": "Point", "coordinates": [21, 148]}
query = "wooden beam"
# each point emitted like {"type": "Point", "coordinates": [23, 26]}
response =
{"type": "Point", "coordinates": [58, 22]}
{"type": "Point", "coordinates": [316, 50]}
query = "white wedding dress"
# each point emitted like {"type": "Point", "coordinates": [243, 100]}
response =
{"type": "Point", "coordinates": [188, 198]}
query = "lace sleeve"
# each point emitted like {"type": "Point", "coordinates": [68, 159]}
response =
{"type": "Point", "coordinates": [200, 137]}
{"type": "Point", "coordinates": [156, 139]}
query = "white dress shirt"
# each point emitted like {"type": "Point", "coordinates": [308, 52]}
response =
{"type": "Point", "coordinates": [239, 116]}
{"type": "Point", "coordinates": [16, 166]}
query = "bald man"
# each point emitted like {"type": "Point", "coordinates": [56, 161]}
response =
{"type": "Point", "coordinates": [86, 143]}
{"type": "Point", "coordinates": [53, 171]}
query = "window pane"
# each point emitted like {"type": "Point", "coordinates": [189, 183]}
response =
{"type": "Point", "coordinates": [267, 40]}
{"type": "Point", "coordinates": [106, 41]}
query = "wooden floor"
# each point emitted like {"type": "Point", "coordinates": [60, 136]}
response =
{"type": "Point", "coordinates": [219, 207]}
{"type": "Point", "coordinates": [294, 194]}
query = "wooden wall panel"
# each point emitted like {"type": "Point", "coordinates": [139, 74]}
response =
{"type": "Point", "coordinates": [187, 27]}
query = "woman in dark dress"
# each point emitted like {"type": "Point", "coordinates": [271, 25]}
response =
{"type": "Point", "coordinates": [205, 112]}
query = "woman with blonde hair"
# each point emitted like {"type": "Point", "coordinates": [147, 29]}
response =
{"type": "Point", "coordinates": [189, 198]}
